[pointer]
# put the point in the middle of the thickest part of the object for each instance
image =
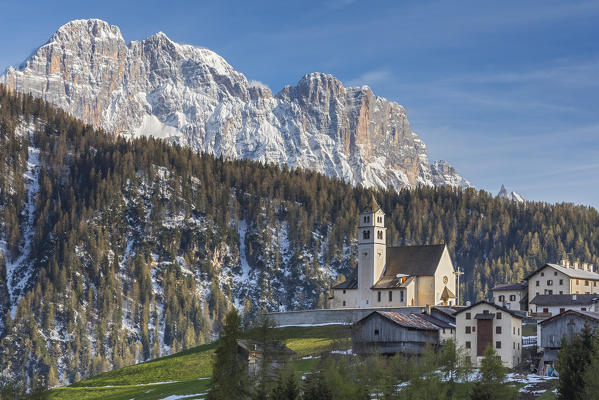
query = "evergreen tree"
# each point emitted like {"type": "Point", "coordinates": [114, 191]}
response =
{"type": "Point", "coordinates": [492, 382]}
{"type": "Point", "coordinates": [229, 373]}
{"type": "Point", "coordinates": [574, 358]}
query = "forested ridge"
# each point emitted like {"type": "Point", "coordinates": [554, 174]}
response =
{"type": "Point", "coordinates": [119, 251]}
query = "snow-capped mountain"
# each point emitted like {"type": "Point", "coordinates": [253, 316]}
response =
{"type": "Point", "coordinates": [504, 194]}
{"type": "Point", "coordinates": [192, 96]}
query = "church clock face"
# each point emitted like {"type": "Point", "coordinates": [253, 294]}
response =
{"type": "Point", "coordinates": [445, 280]}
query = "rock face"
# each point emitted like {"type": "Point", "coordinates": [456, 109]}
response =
{"type": "Point", "coordinates": [192, 96]}
{"type": "Point", "coordinates": [504, 194]}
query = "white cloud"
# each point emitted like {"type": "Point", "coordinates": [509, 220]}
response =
{"type": "Point", "coordinates": [371, 78]}
{"type": "Point", "coordinates": [258, 84]}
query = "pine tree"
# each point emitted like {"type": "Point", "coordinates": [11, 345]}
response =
{"type": "Point", "coordinates": [229, 373]}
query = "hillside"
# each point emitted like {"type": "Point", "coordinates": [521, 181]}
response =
{"type": "Point", "coordinates": [115, 251]}
{"type": "Point", "coordinates": [188, 372]}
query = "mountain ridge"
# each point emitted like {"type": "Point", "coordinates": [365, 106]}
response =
{"type": "Point", "coordinates": [191, 96]}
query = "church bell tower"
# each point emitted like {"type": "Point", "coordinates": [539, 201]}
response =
{"type": "Point", "coordinates": [372, 251]}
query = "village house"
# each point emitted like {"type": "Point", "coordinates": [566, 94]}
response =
{"type": "Point", "coordinates": [562, 279]}
{"type": "Point", "coordinates": [486, 324]}
{"type": "Point", "coordinates": [552, 330]}
{"type": "Point", "coordinates": [512, 295]}
{"type": "Point", "coordinates": [546, 305]}
{"type": "Point", "coordinates": [395, 276]}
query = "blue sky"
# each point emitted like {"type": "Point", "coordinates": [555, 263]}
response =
{"type": "Point", "coordinates": [508, 91]}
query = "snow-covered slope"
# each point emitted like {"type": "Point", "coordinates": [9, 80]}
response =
{"type": "Point", "coordinates": [504, 194]}
{"type": "Point", "coordinates": [192, 96]}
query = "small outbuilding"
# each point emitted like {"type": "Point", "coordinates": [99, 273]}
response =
{"type": "Point", "coordinates": [390, 333]}
{"type": "Point", "coordinates": [254, 352]}
{"type": "Point", "coordinates": [554, 329]}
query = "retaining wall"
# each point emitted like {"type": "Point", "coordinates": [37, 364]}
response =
{"type": "Point", "coordinates": [333, 316]}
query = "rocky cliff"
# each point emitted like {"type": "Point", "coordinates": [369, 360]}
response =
{"type": "Point", "coordinates": [192, 96]}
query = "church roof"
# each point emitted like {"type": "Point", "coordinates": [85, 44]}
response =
{"type": "Point", "coordinates": [413, 260]}
{"type": "Point", "coordinates": [351, 283]}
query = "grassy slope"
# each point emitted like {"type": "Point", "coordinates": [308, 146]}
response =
{"type": "Point", "coordinates": [186, 372]}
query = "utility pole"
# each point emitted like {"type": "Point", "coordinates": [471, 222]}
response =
{"type": "Point", "coordinates": [457, 273]}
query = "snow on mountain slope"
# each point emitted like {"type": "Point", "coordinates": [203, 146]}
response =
{"type": "Point", "coordinates": [192, 96]}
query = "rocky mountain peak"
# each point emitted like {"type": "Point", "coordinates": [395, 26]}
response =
{"type": "Point", "coordinates": [505, 194]}
{"type": "Point", "coordinates": [190, 95]}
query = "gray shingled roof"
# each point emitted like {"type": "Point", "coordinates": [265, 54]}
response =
{"type": "Point", "coordinates": [586, 314]}
{"type": "Point", "coordinates": [564, 299]}
{"type": "Point", "coordinates": [413, 321]}
{"type": "Point", "coordinates": [571, 272]}
{"type": "Point", "coordinates": [515, 313]}
{"type": "Point", "coordinates": [511, 286]}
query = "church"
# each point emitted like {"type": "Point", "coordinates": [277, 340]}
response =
{"type": "Point", "coordinates": [395, 276]}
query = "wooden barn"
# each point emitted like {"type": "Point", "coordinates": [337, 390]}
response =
{"type": "Point", "coordinates": [390, 333]}
{"type": "Point", "coordinates": [553, 329]}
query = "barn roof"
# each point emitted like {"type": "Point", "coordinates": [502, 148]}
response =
{"type": "Point", "coordinates": [593, 316]}
{"type": "Point", "coordinates": [411, 321]}
{"type": "Point", "coordinates": [564, 299]}
{"type": "Point", "coordinates": [511, 286]}
{"type": "Point", "coordinates": [570, 272]}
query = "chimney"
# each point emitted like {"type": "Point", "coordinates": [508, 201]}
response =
{"type": "Point", "coordinates": [564, 262]}
{"type": "Point", "coordinates": [576, 265]}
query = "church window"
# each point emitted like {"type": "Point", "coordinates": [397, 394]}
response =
{"type": "Point", "coordinates": [366, 235]}
{"type": "Point", "coordinates": [379, 234]}
{"type": "Point", "coordinates": [390, 295]}
{"type": "Point", "coordinates": [378, 296]}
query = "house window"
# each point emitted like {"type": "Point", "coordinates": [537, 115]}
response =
{"type": "Point", "coordinates": [467, 329]}
{"type": "Point", "coordinates": [542, 274]}
{"type": "Point", "coordinates": [586, 283]}
{"type": "Point", "coordinates": [561, 281]}
{"type": "Point", "coordinates": [378, 296]}
{"type": "Point", "coordinates": [473, 329]}
{"type": "Point", "coordinates": [501, 298]}
{"type": "Point", "coordinates": [514, 343]}
{"type": "Point", "coordinates": [545, 310]}
{"type": "Point", "coordinates": [468, 315]}
{"type": "Point", "coordinates": [390, 295]}
{"type": "Point", "coordinates": [498, 344]}
{"type": "Point", "coordinates": [366, 235]}
{"type": "Point", "coordinates": [498, 315]}
{"type": "Point", "coordinates": [514, 330]}
{"type": "Point", "coordinates": [498, 330]}
{"type": "Point", "coordinates": [554, 273]}
{"type": "Point", "coordinates": [561, 310]}
{"type": "Point", "coordinates": [376, 331]}
{"type": "Point", "coordinates": [401, 296]}
{"type": "Point", "coordinates": [513, 297]}
{"type": "Point", "coordinates": [537, 283]}
{"type": "Point", "coordinates": [468, 345]}
{"type": "Point", "coordinates": [518, 349]}
{"type": "Point", "coordinates": [577, 281]}
{"type": "Point", "coordinates": [379, 234]}
{"type": "Point", "coordinates": [443, 330]}
{"type": "Point", "coordinates": [518, 331]}
{"type": "Point", "coordinates": [343, 303]}
{"type": "Point", "coordinates": [583, 309]}
{"type": "Point", "coordinates": [549, 282]}
{"type": "Point", "coordinates": [343, 291]}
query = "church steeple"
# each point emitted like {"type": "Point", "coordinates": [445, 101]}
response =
{"type": "Point", "coordinates": [372, 250]}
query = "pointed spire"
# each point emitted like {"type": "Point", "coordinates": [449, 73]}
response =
{"type": "Point", "coordinates": [372, 205]}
